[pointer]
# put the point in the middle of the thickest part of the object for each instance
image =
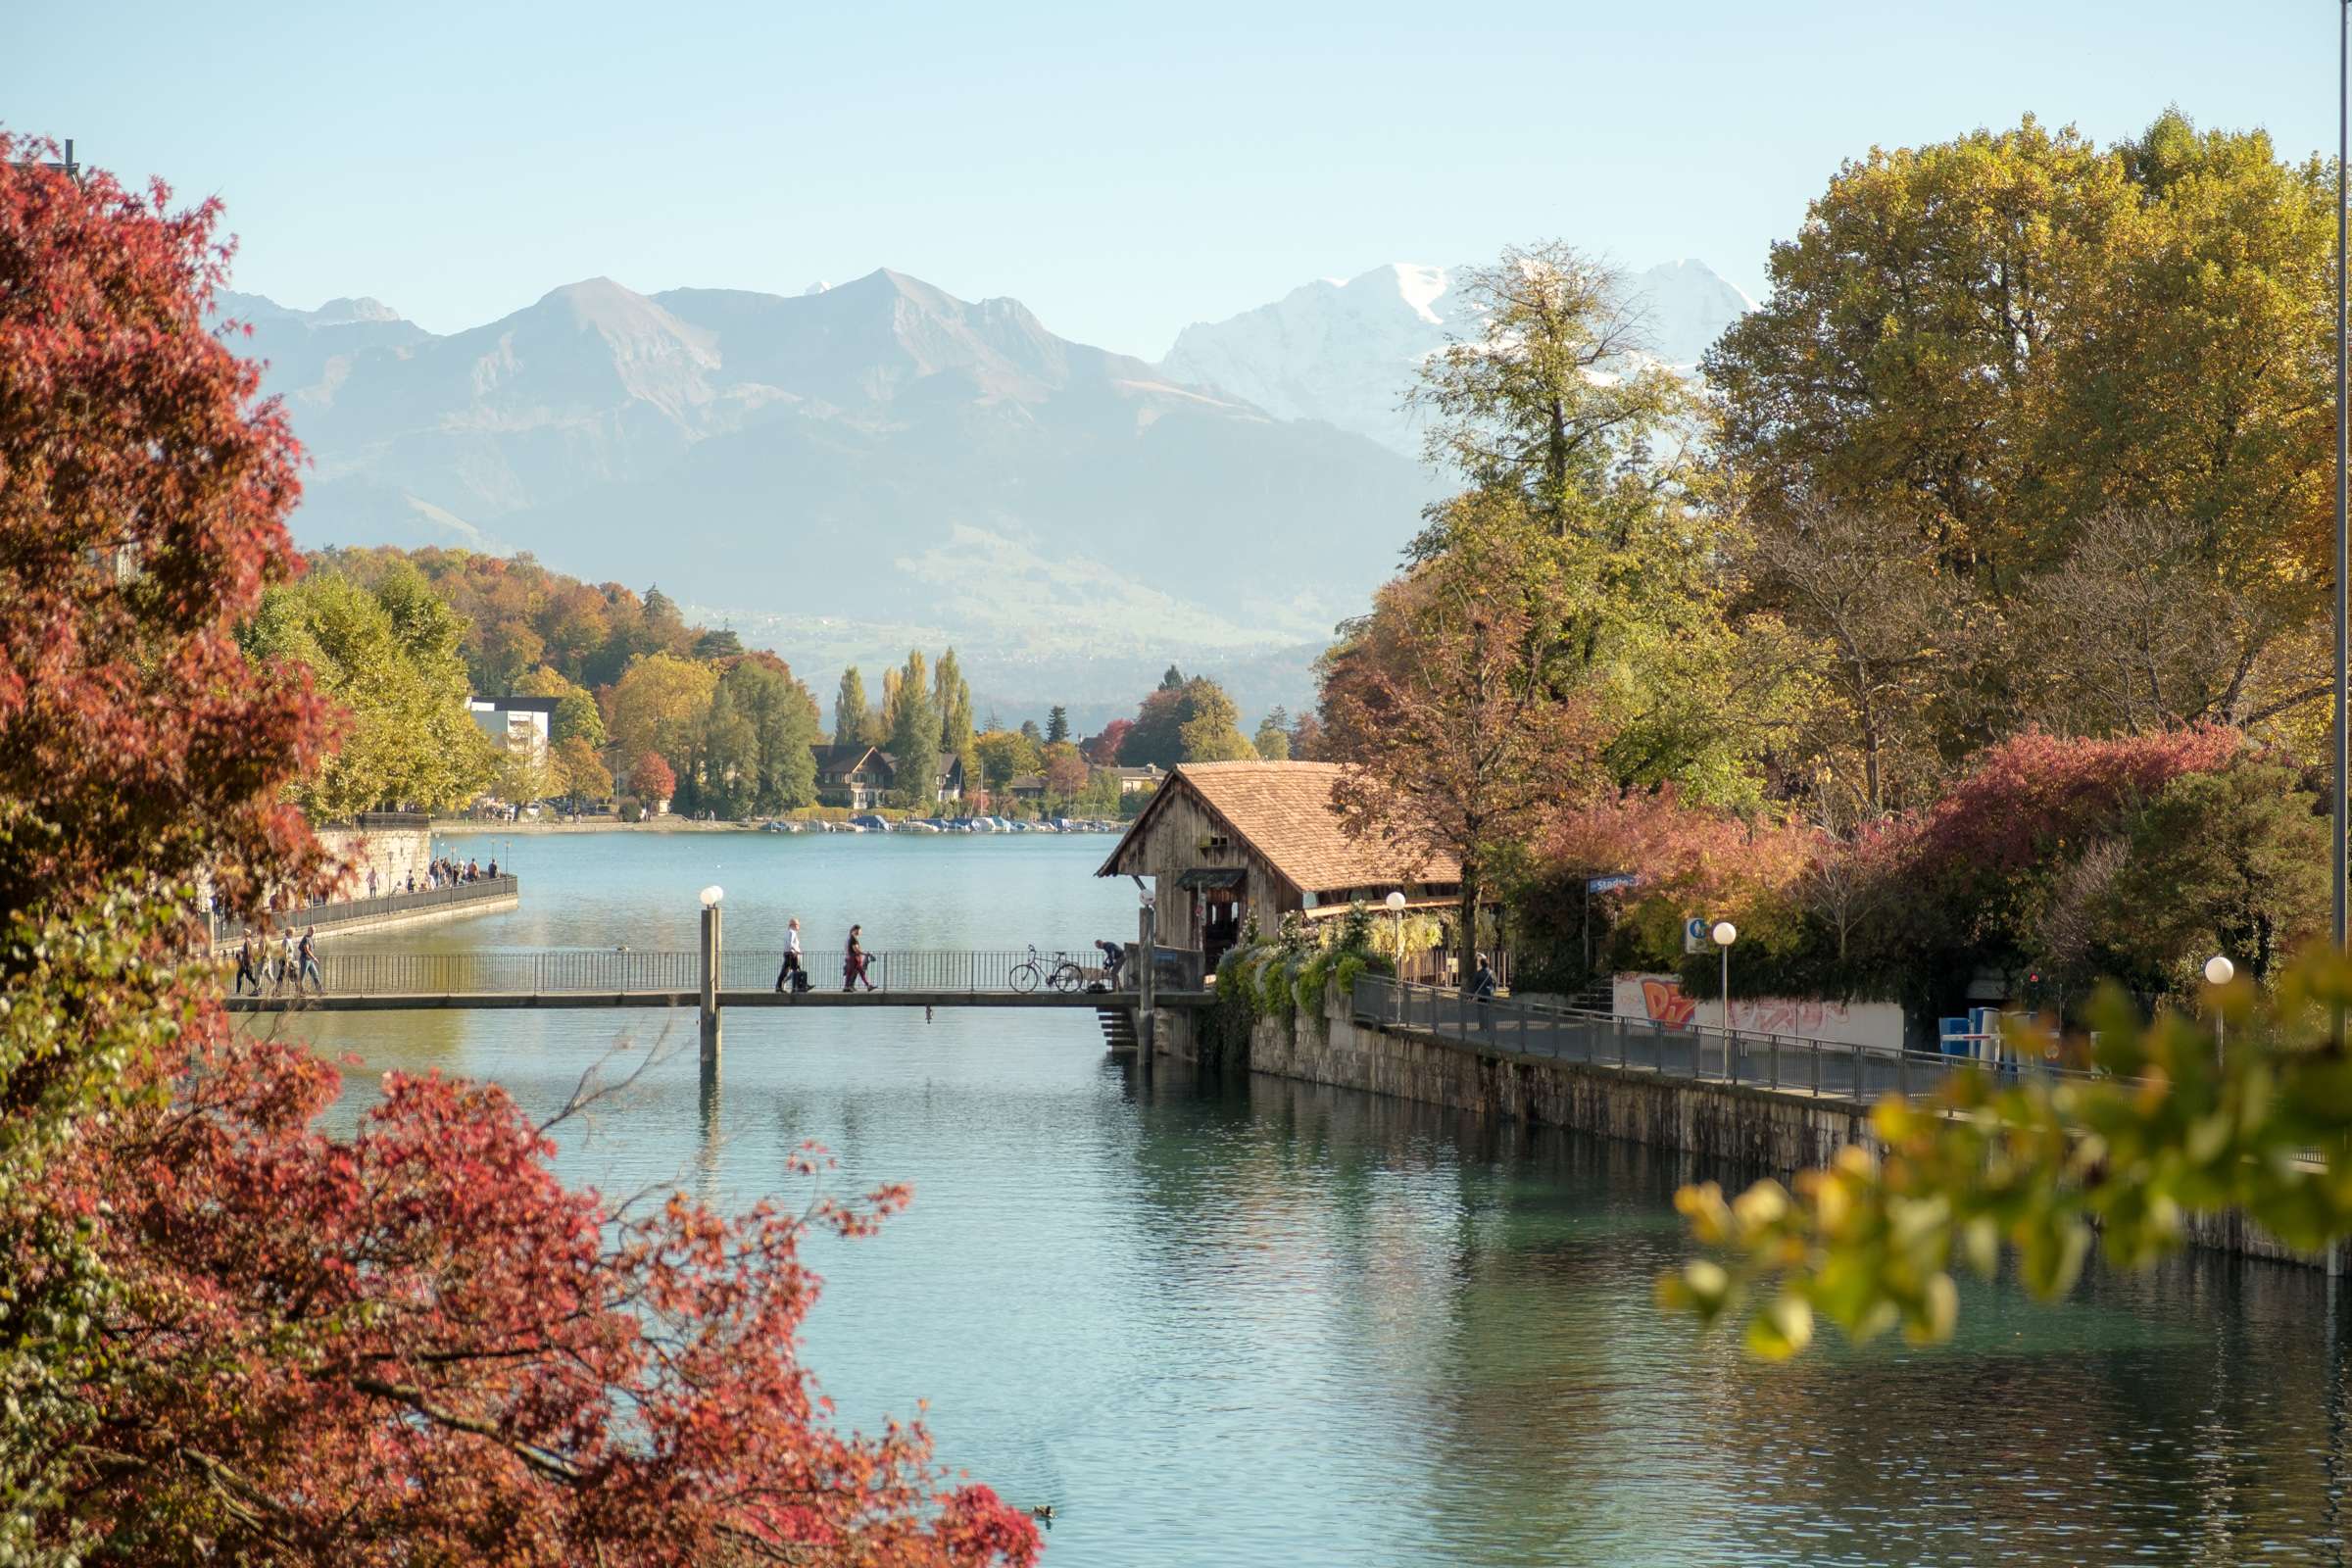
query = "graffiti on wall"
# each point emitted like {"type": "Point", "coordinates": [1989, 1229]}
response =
{"type": "Point", "coordinates": [1659, 998]}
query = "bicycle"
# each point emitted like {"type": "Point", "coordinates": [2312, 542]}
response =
{"type": "Point", "coordinates": [1062, 974]}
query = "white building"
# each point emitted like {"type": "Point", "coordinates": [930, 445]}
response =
{"type": "Point", "coordinates": [518, 724]}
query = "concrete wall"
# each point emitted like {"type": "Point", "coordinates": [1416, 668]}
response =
{"type": "Point", "coordinates": [1749, 1131]}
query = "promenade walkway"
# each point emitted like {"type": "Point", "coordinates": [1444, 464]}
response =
{"type": "Point", "coordinates": [482, 895]}
{"type": "Point", "coordinates": [1787, 1063]}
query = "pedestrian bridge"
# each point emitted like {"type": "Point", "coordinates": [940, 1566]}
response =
{"type": "Point", "coordinates": [626, 977]}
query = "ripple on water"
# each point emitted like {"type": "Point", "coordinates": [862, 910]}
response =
{"type": "Point", "coordinates": [1262, 1323]}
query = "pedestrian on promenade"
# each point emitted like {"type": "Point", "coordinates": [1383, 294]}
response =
{"type": "Point", "coordinates": [307, 955]}
{"type": "Point", "coordinates": [1482, 987]}
{"type": "Point", "coordinates": [249, 967]}
{"type": "Point", "coordinates": [785, 976]}
{"type": "Point", "coordinates": [852, 963]}
{"type": "Point", "coordinates": [284, 970]}
{"type": "Point", "coordinates": [493, 873]}
{"type": "Point", "coordinates": [372, 881]}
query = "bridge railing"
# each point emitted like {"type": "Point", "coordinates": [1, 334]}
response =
{"type": "Point", "coordinates": [1689, 1051]}
{"type": "Point", "coordinates": [615, 970]}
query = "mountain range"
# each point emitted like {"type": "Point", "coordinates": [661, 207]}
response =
{"type": "Point", "coordinates": [1343, 351]}
{"type": "Point", "coordinates": [855, 470]}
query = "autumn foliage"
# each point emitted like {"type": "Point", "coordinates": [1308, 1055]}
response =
{"type": "Point", "coordinates": [226, 1336]}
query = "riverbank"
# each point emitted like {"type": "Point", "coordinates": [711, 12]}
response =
{"type": "Point", "coordinates": [1749, 1129]}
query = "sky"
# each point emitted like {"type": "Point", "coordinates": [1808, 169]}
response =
{"type": "Point", "coordinates": [1122, 171]}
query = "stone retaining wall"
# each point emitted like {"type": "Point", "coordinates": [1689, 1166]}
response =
{"type": "Point", "coordinates": [1746, 1130]}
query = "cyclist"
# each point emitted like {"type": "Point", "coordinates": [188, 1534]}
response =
{"type": "Point", "coordinates": [1114, 955]}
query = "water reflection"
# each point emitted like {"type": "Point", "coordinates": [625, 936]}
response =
{"type": "Point", "coordinates": [1258, 1322]}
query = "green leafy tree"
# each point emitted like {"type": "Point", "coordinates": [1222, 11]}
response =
{"type": "Point", "coordinates": [1455, 702]}
{"type": "Point", "coordinates": [576, 713]}
{"type": "Point", "coordinates": [2041, 1168]}
{"type": "Point", "coordinates": [1555, 399]}
{"type": "Point", "coordinates": [581, 774]}
{"type": "Point", "coordinates": [1191, 722]}
{"type": "Point", "coordinates": [914, 730]}
{"type": "Point", "coordinates": [661, 706]}
{"type": "Point", "coordinates": [1212, 733]}
{"type": "Point", "coordinates": [2090, 390]}
{"type": "Point", "coordinates": [775, 769]}
{"type": "Point", "coordinates": [1273, 738]}
{"type": "Point", "coordinates": [1100, 795]}
{"type": "Point", "coordinates": [850, 709]}
{"type": "Point", "coordinates": [709, 647]}
{"type": "Point", "coordinates": [391, 658]}
{"type": "Point", "coordinates": [952, 696]}
{"type": "Point", "coordinates": [1005, 755]}
{"type": "Point", "coordinates": [728, 757]}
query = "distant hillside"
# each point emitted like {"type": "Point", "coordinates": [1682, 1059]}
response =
{"type": "Point", "coordinates": [860, 458]}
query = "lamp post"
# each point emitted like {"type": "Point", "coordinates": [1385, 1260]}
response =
{"type": "Point", "coordinates": [2342, 709]}
{"type": "Point", "coordinates": [1725, 933]}
{"type": "Point", "coordinates": [710, 896]}
{"type": "Point", "coordinates": [1396, 902]}
{"type": "Point", "coordinates": [2219, 972]}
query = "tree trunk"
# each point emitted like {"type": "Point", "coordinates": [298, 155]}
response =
{"type": "Point", "coordinates": [1466, 927]}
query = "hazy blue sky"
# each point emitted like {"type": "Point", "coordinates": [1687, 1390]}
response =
{"type": "Point", "coordinates": [1122, 171]}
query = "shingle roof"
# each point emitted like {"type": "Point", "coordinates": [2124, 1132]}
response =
{"type": "Point", "coordinates": [1283, 811]}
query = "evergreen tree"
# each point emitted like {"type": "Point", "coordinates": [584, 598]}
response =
{"type": "Point", "coordinates": [1173, 681]}
{"type": "Point", "coordinates": [1058, 725]}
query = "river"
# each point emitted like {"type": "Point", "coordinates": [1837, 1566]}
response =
{"type": "Point", "coordinates": [1254, 1322]}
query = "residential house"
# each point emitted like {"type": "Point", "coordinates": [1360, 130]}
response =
{"type": "Point", "coordinates": [1030, 787]}
{"type": "Point", "coordinates": [861, 777]}
{"type": "Point", "coordinates": [1139, 780]}
{"type": "Point", "coordinates": [1222, 842]}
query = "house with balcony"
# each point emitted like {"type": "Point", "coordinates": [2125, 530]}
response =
{"type": "Point", "coordinates": [862, 777]}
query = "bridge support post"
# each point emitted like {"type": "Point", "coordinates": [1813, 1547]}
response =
{"type": "Point", "coordinates": [1146, 987]}
{"type": "Point", "coordinates": [710, 996]}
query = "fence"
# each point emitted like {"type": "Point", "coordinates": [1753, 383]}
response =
{"type": "Point", "coordinates": [346, 911]}
{"type": "Point", "coordinates": [1686, 1050]}
{"type": "Point", "coordinates": [615, 970]}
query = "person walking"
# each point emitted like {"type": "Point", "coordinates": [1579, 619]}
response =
{"type": "Point", "coordinates": [284, 971]}
{"type": "Point", "coordinates": [852, 963]}
{"type": "Point", "coordinates": [249, 967]}
{"type": "Point", "coordinates": [306, 955]}
{"type": "Point", "coordinates": [787, 977]}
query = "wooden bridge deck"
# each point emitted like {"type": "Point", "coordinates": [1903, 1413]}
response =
{"type": "Point", "coordinates": [490, 1001]}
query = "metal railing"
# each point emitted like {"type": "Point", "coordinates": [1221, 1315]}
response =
{"type": "Point", "coordinates": [1675, 1050]}
{"type": "Point", "coordinates": [619, 970]}
{"type": "Point", "coordinates": [344, 912]}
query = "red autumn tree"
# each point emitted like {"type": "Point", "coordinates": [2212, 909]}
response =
{"type": "Point", "coordinates": [652, 779]}
{"type": "Point", "coordinates": [1103, 750]}
{"type": "Point", "coordinates": [226, 1336]}
{"type": "Point", "coordinates": [1446, 703]}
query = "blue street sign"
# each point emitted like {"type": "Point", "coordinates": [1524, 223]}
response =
{"type": "Point", "coordinates": [1605, 884]}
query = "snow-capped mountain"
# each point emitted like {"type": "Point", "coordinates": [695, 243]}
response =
{"type": "Point", "coordinates": [1345, 352]}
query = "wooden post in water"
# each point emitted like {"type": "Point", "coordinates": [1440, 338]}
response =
{"type": "Point", "coordinates": [709, 998]}
{"type": "Point", "coordinates": [1146, 986]}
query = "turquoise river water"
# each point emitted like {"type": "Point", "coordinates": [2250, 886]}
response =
{"type": "Point", "coordinates": [1252, 1322]}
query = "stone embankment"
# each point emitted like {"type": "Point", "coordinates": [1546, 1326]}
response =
{"type": "Point", "coordinates": [1746, 1129]}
